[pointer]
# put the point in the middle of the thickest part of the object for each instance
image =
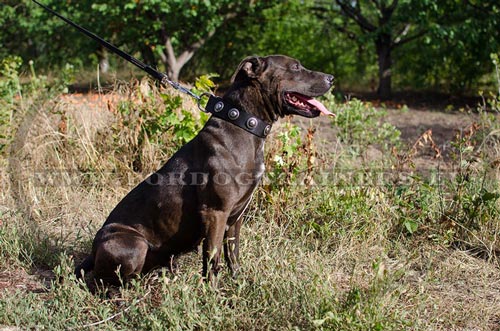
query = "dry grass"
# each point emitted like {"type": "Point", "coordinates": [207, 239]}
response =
{"type": "Point", "coordinates": [328, 257]}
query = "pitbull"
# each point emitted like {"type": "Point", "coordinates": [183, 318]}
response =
{"type": "Point", "coordinates": [201, 193]}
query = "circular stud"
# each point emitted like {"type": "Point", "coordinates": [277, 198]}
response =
{"type": "Point", "coordinates": [233, 114]}
{"type": "Point", "coordinates": [251, 123]}
{"type": "Point", "coordinates": [267, 130]}
{"type": "Point", "coordinates": [218, 106]}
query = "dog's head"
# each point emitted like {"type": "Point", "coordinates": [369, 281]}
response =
{"type": "Point", "coordinates": [286, 84]}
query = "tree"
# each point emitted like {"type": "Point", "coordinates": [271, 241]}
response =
{"type": "Point", "coordinates": [31, 33]}
{"type": "Point", "coordinates": [389, 24]}
{"type": "Point", "coordinates": [169, 31]}
{"type": "Point", "coordinates": [283, 27]}
{"type": "Point", "coordinates": [455, 55]}
{"type": "Point", "coordinates": [455, 38]}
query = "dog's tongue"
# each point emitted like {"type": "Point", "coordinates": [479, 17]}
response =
{"type": "Point", "coordinates": [319, 106]}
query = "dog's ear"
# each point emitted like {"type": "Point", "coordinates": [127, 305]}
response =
{"type": "Point", "coordinates": [251, 67]}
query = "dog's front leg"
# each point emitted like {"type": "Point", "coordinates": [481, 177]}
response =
{"type": "Point", "coordinates": [215, 224]}
{"type": "Point", "coordinates": [232, 247]}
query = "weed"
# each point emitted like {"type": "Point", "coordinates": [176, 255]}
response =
{"type": "Point", "coordinates": [10, 92]}
{"type": "Point", "coordinates": [359, 248]}
{"type": "Point", "coordinates": [286, 160]}
{"type": "Point", "coordinates": [360, 125]}
{"type": "Point", "coordinates": [153, 116]}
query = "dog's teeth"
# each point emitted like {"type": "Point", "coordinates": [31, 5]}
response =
{"type": "Point", "coordinates": [294, 98]}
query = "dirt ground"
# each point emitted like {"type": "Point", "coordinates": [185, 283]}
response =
{"type": "Point", "coordinates": [412, 122]}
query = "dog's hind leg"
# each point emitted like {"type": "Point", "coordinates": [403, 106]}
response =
{"type": "Point", "coordinates": [84, 267]}
{"type": "Point", "coordinates": [232, 247]}
{"type": "Point", "coordinates": [119, 259]}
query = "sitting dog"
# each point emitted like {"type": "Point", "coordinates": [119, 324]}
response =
{"type": "Point", "coordinates": [200, 194]}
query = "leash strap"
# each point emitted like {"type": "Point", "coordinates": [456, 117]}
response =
{"type": "Point", "coordinates": [147, 68]}
{"type": "Point", "coordinates": [224, 110]}
{"type": "Point", "coordinates": [216, 106]}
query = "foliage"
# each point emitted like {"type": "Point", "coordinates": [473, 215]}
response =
{"type": "Point", "coordinates": [411, 250]}
{"type": "Point", "coordinates": [454, 54]}
{"type": "Point", "coordinates": [33, 34]}
{"type": "Point", "coordinates": [456, 38]}
{"type": "Point", "coordinates": [156, 117]}
{"type": "Point", "coordinates": [475, 201]}
{"type": "Point", "coordinates": [284, 33]}
{"type": "Point", "coordinates": [287, 161]}
{"type": "Point", "coordinates": [452, 205]}
{"type": "Point", "coordinates": [10, 89]}
{"type": "Point", "coordinates": [361, 125]}
{"type": "Point", "coordinates": [170, 32]}
{"type": "Point", "coordinates": [291, 28]}
{"type": "Point", "coordinates": [10, 85]}
{"type": "Point", "coordinates": [452, 33]}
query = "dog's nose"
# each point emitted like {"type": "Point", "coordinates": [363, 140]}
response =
{"type": "Point", "coordinates": [329, 79]}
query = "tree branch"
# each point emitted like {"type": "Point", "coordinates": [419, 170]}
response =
{"type": "Point", "coordinates": [170, 56]}
{"type": "Point", "coordinates": [351, 35]}
{"type": "Point", "coordinates": [175, 63]}
{"type": "Point", "coordinates": [406, 40]}
{"type": "Point", "coordinates": [486, 9]}
{"type": "Point", "coordinates": [402, 33]}
{"type": "Point", "coordinates": [163, 57]}
{"type": "Point", "coordinates": [376, 3]}
{"type": "Point", "coordinates": [356, 15]}
{"type": "Point", "coordinates": [393, 5]}
{"type": "Point", "coordinates": [200, 42]}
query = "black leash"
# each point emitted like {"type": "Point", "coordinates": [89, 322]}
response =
{"type": "Point", "coordinates": [141, 65]}
{"type": "Point", "coordinates": [216, 106]}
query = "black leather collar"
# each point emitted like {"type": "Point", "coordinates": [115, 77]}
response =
{"type": "Point", "coordinates": [224, 110]}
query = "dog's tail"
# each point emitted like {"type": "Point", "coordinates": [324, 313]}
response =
{"type": "Point", "coordinates": [84, 267]}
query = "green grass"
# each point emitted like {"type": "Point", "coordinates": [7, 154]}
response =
{"type": "Point", "coordinates": [285, 283]}
{"type": "Point", "coordinates": [349, 251]}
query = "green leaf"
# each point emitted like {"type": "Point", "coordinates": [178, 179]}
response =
{"type": "Point", "coordinates": [489, 196]}
{"type": "Point", "coordinates": [411, 226]}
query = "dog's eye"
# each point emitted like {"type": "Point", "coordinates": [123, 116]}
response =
{"type": "Point", "coordinates": [295, 67]}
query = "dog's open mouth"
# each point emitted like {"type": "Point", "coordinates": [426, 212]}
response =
{"type": "Point", "coordinates": [306, 104]}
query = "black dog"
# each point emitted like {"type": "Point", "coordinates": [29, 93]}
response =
{"type": "Point", "coordinates": [200, 194]}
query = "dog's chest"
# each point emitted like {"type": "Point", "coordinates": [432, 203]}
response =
{"type": "Point", "coordinates": [260, 167]}
{"type": "Point", "coordinates": [259, 171]}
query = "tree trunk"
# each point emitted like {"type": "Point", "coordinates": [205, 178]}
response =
{"type": "Point", "coordinates": [383, 48]}
{"type": "Point", "coordinates": [173, 72]}
{"type": "Point", "coordinates": [173, 63]}
{"type": "Point", "coordinates": [103, 57]}
{"type": "Point", "coordinates": [148, 55]}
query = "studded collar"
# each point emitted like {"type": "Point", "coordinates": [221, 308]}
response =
{"type": "Point", "coordinates": [224, 110]}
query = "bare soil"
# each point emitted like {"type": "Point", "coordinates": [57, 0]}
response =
{"type": "Point", "coordinates": [412, 123]}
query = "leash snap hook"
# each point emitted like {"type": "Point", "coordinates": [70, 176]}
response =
{"type": "Point", "coordinates": [204, 94]}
